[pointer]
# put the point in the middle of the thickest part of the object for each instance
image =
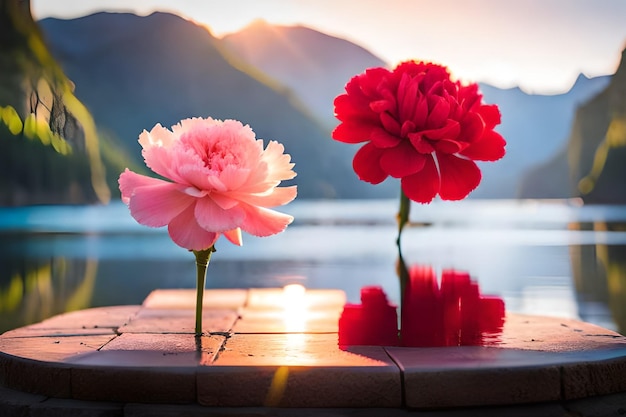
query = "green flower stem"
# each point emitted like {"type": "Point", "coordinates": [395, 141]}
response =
{"type": "Point", "coordinates": [202, 262]}
{"type": "Point", "coordinates": [403, 220]}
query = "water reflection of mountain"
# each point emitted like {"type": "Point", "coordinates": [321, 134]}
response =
{"type": "Point", "coordinates": [599, 273]}
{"type": "Point", "coordinates": [34, 289]}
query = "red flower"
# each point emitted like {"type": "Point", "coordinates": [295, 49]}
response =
{"type": "Point", "coordinates": [421, 127]}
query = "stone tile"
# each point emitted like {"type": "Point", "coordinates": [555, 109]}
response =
{"type": "Point", "coordinates": [55, 407]}
{"type": "Point", "coordinates": [149, 410]}
{"type": "Point", "coordinates": [16, 403]}
{"type": "Point", "coordinates": [124, 384]}
{"type": "Point", "coordinates": [311, 299]}
{"type": "Point", "coordinates": [101, 317]}
{"type": "Point", "coordinates": [603, 406]}
{"type": "Point", "coordinates": [37, 365]}
{"type": "Point", "coordinates": [530, 410]}
{"type": "Point", "coordinates": [154, 320]}
{"type": "Point", "coordinates": [29, 331]}
{"type": "Point", "coordinates": [150, 350]}
{"type": "Point", "coordinates": [471, 376]}
{"type": "Point", "coordinates": [290, 320]}
{"type": "Point", "coordinates": [53, 349]}
{"type": "Point", "coordinates": [231, 299]}
{"type": "Point", "coordinates": [298, 370]}
{"type": "Point", "coordinates": [144, 368]}
{"type": "Point", "coordinates": [591, 378]}
{"type": "Point", "coordinates": [35, 377]}
{"type": "Point", "coordinates": [553, 334]}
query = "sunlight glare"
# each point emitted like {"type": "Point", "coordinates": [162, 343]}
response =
{"type": "Point", "coordinates": [294, 307]}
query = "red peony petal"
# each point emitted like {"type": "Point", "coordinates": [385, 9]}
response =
{"type": "Point", "coordinates": [459, 176]}
{"type": "Point", "coordinates": [366, 164]}
{"type": "Point", "coordinates": [491, 115]}
{"type": "Point", "coordinates": [422, 186]}
{"type": "Point", "coordinates": [448, 146]}
{"type": "Point", "coordinates": [472, 128]}
{"type": "Point", "coordinates": [489, 148]}
{"type": "Point", "coordinates": [408, 95]}
{"type": "Point", "coordinates": [420, 143]}
{"type": "Point", "coordinates": [390, 124]}
{"type": "Point", "coordinates": [451, 130]}
{"type": "Point", "coordinates": [469, 96]}
{"type": "Point", "coordinates": [383, 139]}
{"type": "Point", "coordinates": [380, 106]}
{"type": "Point", "coordinates": [421, 113]}
{"type": "Point", "coordinates": [440, 109]}
{"type": "Point", "coordinates": [353, 107]}
{"type": "Point", "coordinates": [402, 160]}
{"type": "Point", "coordinates": [370, 81]}
{"type": "Point", "coordinates": [353, 131]}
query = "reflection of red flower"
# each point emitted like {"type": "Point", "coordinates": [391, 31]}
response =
{"type": "Point", "coordinates": [452, 313]}
{"type": "Point", "coordinates": [419, 126]}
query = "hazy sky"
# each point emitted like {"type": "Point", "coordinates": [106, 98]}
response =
{"type": "Point", "coordinates": [540, 45]}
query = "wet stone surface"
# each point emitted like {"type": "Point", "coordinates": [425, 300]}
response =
{"type": "Point", "coordinates": [269, 350]}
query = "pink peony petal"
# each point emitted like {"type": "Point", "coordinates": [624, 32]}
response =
{"type": "Point", "coordinates": [130, 180]}
{"type": "Point", "coordinates": [280, 167]}
{"type": "Point", "coordinates": [158, 136]}
{"type": "Point", "coordinates": [276, 197]}
{"type": "Point", "coordinates": [187, 233]}
{"type": "Point", "coordinates": [263, 222]}
{"type": "Point", "coordinates": [152, 202]}
{"type": "Point", "coordinates": [459, 176]}
{"type": "Point", "coordinates": [163, 161]}
{"type": "Point", "coordinates": [234, 236]}
{"type": "Point", "coordinates": [234, 177]}
{"type": "Point", "coordinates": [213, 218]}
{"type": "Point", "coordinates": [217, 168]}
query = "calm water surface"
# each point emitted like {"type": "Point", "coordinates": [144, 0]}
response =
{"type": "Point", "coordinates": [553, 258]}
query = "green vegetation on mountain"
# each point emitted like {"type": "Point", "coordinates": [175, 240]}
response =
{"type": "Point", "coordinates": [592, 165]}
{"type": "Point", "coordinates": [49, 147]}
{"type": "Point", "coordinates": [133, 72]}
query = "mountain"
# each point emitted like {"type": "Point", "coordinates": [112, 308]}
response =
{"type": "Point", "coordinates": [281, 80]}
{"type": "Point", "coordinates": [317, 66]}
{"type": "Point", "coordinates": [133, 72]}
{"type": "Point", "coordinates": [535, 128]}
{"type": "Point", "coordinates": [314, 65]}
{"type": "Point", "coordinates": [592, 162]}
{"type": "Point", "coordinates": [51, 153]}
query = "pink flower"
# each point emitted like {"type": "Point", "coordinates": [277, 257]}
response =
{"type": "Point", "coordinates": [221, 181]}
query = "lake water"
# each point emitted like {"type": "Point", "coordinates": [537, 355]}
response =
{"type": "Point", "coordinates": [553, 258]}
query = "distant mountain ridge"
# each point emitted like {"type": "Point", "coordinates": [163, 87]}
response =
{"type": "Point", "coordinates": [535, 128]}
{"type": "Point", "coordinates": [317, 67]}
{"type": "Point", "coordinates": [281, 80]}
{"type": "Point", "coordinates": [133, 72]}
{"type": "Point", "coordinates": [592, 162]}
{"type": "Point", "coordinates": [314, 65]}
